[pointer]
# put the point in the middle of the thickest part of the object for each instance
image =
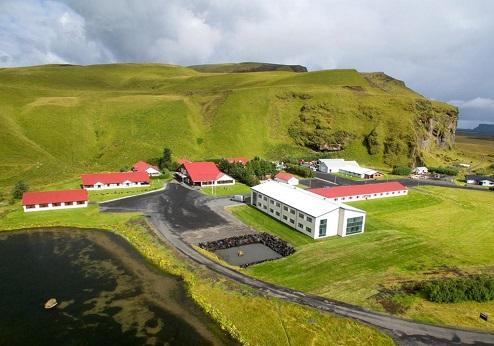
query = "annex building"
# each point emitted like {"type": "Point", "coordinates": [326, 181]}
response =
{"type": "Point", "coordinates": [53, 200]}
{"type": "Point", "coordinates": [286, 178]}
{"type": "Point", "coordinates": [115, 180]}
{"type": "Point", "coordinates": [306, 212]}
{"type": "Point", "coordinates": [334, 165]}
{"type": "Point", "coordinates": [203, 174]}
{"type": "Point", "coordinates": [142, 166]}
{"type": "Point", "coordinates": [361, 192]}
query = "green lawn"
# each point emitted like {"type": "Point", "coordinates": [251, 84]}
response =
{"type": "Point", "coordinates": [237, 189]}
{"type": "Point", "coordinates": [406, 238]}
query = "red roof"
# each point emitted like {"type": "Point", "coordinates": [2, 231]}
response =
{"type": "Point", "coordinates": [284, 176]}
{"type": "Point", "coordinates": [114, 178]}
{"type": "Point", "coordinates": [141, 166]}
{"type": "Point", "coordinates": [202, 171]}
{"type": "Point", "coordinates": [242, 160]}
{"type": "Point", "coordinates": [354, 190]}
{"type": "Point", "coordinates": [45, 197]}
{"type": "Point", "coordinates": [182, 161]}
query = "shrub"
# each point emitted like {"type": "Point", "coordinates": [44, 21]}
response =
{"type": "Point", "coordinates": [444, 170]}
{"type": "Point", "coordinates": [479, 288]}
{"type": "Point", "coordinates": [19, 188]}
{"type": "Point", "coordinates": [402, 170]}
{"type": "Point", "coordinates": [305, 172]}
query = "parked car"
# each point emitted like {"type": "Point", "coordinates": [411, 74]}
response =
{"type": "Point", "coordinates": [238, 198]}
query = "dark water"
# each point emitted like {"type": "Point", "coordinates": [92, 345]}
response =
{"type": "Point", "coordinates": [107, 294]}
{"type": "Point", "coordinates": [251, 253]}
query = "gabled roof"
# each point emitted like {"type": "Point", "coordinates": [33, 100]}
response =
{"type": "Point", "coordinates": [142, 166]}
{"type": "Point", "coordinates": [202, 171]}
{"type": "Point", "coordinates": [302, 200]}
{"type": "Point", "coordinates": [359, 170]}
{"type": "Point", "coordinates": [284, 176]}
{"type": "Point", "coordinates": [336, 163]}
{"type": "Point", "coordinates": [114, 178]}
{"type": "Point", "coordinates": [45, 197]}
{"type": "Point", "coordinates": [240, 159]}
{"type": "Point", "coordinates": [354, 190]}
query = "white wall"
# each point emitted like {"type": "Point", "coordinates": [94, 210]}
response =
{"type": "Point", "coordinates": [371, 196]}
{"type": "Point", "coordinates": [218, 182]}
{"type": "Point", "coordinates": [124, 185]}
{"type": "Point", "coordinates": [346, 214]}
{"type": "Point", "coordinates": [152, 172]}
{"type": "Point", "coordinates": [70, 205]}
{"type": "Point", "coordinates": [292, 181]}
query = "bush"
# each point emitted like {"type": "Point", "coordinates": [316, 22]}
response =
{"type": "Point", "coordinates": [402, 170]}
{"type": "Point", "coordinates": [305, 172]}
{"type": "Point", "coordinates": [19, 188]}
{"type": "Point", "coordinates": [479, 288]}
{"type": "Point", "coordinates": [444, 170]}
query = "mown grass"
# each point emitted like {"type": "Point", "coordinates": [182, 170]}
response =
{"type": "Point", "coordinates": [237, 189]}
{"type": "Point", "coordinates": [415, 237]}
{"type": "Point", "coordinates": [237, 308]}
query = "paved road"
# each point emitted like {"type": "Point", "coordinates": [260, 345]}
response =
{"type": "Point", "coordinates": [169, 213]}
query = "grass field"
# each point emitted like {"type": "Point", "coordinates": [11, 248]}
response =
{"type": "Point", "coordinates": [61, 121]}
{"type": "Point", "coordinates": [237, 308]}
{"type": "Point", "coordinates": [237, 189]}
{"type": "Point", "coordinates": [429, 233]}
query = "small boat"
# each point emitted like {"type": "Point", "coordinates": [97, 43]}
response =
{"type": "Point", "coordinates": [240, 253]}
{"type": "Point", "coordinates": [51, 303]}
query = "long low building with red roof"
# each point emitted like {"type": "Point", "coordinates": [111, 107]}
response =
{"type": "Point", "coordinates": [362, 191]}
{"type": "Point", "coordinates": [52, 200]}
{"type": "Point", "coordinates": [203, 174]}
{"type": "Point", "coordinates": [115, 180]}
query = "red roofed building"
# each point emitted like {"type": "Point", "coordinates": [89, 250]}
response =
{"type": "Point", "coordinates": [203, 174]}
{"type": "Point", "coordinates": [100, 181]}
{"type": "Point", "coordinates": [286, 178]}
{"type": "Point", "coordinates": [361, 192]}
{"type": "Point", "coordinates": [182, 161]}
{"type": "Point", "coordinates": [242, 160]}
{"type": "Point", "coordinates": [142, 166]}
{"type": "Point", "coordinates": [50, 200]}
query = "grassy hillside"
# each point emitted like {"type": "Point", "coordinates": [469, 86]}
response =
{"type": "Point", "coordinates": [61, 120]}
{"type": "Point", "coordinates": [247, 67]}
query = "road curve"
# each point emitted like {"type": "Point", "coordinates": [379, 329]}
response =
{"type": "Point", "coordinates": [403, 331]}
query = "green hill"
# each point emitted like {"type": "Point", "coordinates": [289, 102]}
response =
{"type": "Point", "coordinates": [61, 120]}
{"type": "Point", "coordinates": [247, 67]}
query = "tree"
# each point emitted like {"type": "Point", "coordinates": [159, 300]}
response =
{"type": "Point", "coordinates": [401, 170]}
{"type": "Point", "coordinates": [19, 188]}
{"type": "Point", "coordinates": [166, 159]}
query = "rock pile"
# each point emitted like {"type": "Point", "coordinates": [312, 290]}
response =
{"type": "Point", "coordinates": [274, 243]}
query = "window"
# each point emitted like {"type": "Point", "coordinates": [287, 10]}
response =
{"type": "Point", "coordinates": [300, 226]}
{"type": "Point", "coordinates": [285, 217]}
{"type": "Point", "coordinates": [292, 211]}
{"type": "Point", "coordinates": [292, 221]}
{"type": "Point", "coordinates": [300, 215]}
{"type": "Point", "coordinates": [271, 210]}
{"type": "Point", "coordinates": [309, 219]}
{"type": "Point", "coordinates": [30, 206]}
{"type": "Point", "coordinates": [259, 204]}
{"type": "Point", "coordinates": [43, 205]}
{"type": "Point", "coordinates": [354, 225]}
{"type": "Point", "coordinates": [81, 202]}
{"type": "Point", "coordinates": [277, 213]}
{"type": "Point", "coordinates": [265, 207]}
{"type": "Point", "coordinates": [278, 204]}
{"type": "Point", "coordinates": [271, 201]}
{"type": "Point", "coordinates": [307, 229]}
{"type": "Point", "coordinates": [56, 204]}
{"type": "Point", "coordinates": [285, 208]}
{"type": "Point", "coordinates": [322, 227]}
{"type": "Point", "coordinates": [265, 198]}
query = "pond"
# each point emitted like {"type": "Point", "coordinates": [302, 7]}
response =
{"type": "Point", "coordinates": [107, 294]}
{"type": "Point", "coordinates": [247, 254]}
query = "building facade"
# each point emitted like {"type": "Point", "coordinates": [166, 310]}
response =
{"type": "Point", "coordinates": [53, 200]}
{"type": "Point", "coordinates": [306, 212]}
{"type": "Point", "coordinates": [115, 180]}
{"type": "Point", "coordinates": [349, 193]}
{"type": "Point", "coordinates": [203, 174]}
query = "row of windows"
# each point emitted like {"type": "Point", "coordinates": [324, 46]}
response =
{"type": "Point", "coordinates": [278, 204]}
{"type": "Point", "coordinates": [375, 195]}
{"type": "Point", "coordinates": [32, 206]}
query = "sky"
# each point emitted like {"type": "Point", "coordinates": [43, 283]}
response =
{"type": "Point", "coordinates": [441, 48]}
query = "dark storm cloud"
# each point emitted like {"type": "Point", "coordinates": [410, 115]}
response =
{"type": "Point", "coordinates": [442, 49]}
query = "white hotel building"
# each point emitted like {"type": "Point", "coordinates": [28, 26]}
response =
{"type": "Point", "coordinates": [306, 212]}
